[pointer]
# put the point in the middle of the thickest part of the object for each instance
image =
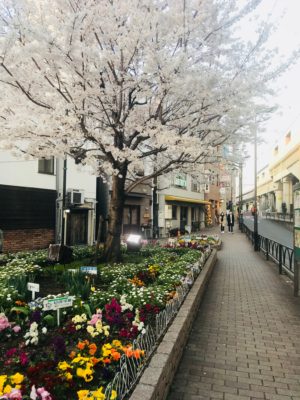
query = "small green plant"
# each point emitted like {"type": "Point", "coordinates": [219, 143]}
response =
{"type": "Point", "coordinates": [76, 283]}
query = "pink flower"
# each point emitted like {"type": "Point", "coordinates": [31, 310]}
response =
{"type": "Point", "coordinates": [4, 323]}
{"type": "Point", "coordinates": [16, 328]}
{"type": "Point", "coordinates": [15, 394]}
{"type": "Point", "coordinates": [95, 318]}
{"type": "Point", "coordinates": [39, 394]}
{"type": "Point", "coordinates": [44, 394]}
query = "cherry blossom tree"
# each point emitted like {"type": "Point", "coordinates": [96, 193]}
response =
{"type": "Point", "coordinates": [120, 84]}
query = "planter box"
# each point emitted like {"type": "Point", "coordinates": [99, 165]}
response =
{"type": "Point", "coordinates": [158, 376]}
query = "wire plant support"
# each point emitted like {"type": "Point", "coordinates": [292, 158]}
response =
{"type": "Point", "coordinates": [131, 368]}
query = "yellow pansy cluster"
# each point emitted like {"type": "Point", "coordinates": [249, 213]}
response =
{"type": "Point", "coordinates": [95, 395]}
{"type": "Point", "coordinates": [8, 383]}
{"type": "Point", "coordinates": [82, 367]}
{"type": "Point", "coordinates": [98, 329]}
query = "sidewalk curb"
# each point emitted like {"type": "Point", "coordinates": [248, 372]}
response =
{"type": "Point", "coordinates": [157, 378]}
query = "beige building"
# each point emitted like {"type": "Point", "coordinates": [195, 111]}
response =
{"type": "Point", "coordinates": [275, 181]}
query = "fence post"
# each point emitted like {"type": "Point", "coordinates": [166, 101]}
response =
{"type": "Point", "coordinates": [280, 259]}
{"type": "Point", "coordinates": [267, 249]}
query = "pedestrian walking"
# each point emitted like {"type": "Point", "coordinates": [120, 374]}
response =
{"type": "Point", "coordinates": [230, 221]}
{"type": "Point", "coordinates": [221, 221]}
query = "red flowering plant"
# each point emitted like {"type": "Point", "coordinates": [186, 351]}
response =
{"type": "Point", "coordinates": [148, 313]}
{"type": "Point", "coordinates": [120, 320]}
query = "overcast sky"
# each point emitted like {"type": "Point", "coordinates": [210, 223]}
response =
{"type": "Point", "coordinates": [285, 15]}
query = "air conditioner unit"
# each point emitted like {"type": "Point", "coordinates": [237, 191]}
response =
{"type": "Point", "coordinates": [75, 196]}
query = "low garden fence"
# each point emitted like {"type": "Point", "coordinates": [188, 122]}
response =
{"type": "Point", "coordinates": [132, 368]}
{"type": "Point", "coordinates": [277, 252]}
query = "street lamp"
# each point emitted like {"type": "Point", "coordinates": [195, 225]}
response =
{"type": "Point", "coordinates": [255, 226]}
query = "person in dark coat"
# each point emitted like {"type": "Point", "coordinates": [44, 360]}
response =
{"type": "Point", "coordinates": [221, 220]}
{"type": "Point", "coordinates": [230, 221]}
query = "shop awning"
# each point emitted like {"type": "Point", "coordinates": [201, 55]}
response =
{"type": "Point", "coordinates": [186, 200]}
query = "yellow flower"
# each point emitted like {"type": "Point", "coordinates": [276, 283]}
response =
{"type": "Point", "coordinates": [116, 343]}
{"type": "Point", "coordinates": [113, 395]}
{"type": "Point", "coordinates": [82, 394]}
{"type": "Point", "coordinates": [68, 376]}
{"type": "Point", "coordinates": [98, 394]}
{"type": "Point", "coordinates": [86, 374]}
{"type": "Point", "coordinates": [17, 378]}
{"type": "Point", "coordinates": [63, 365]}
{"type": "Point", "coordinates": [80, 359]}
{"type": "Point", "coordinates": [93, 288]}
{"type": "Point", "coordinates": [2, 381]}
{"type": "Point", "coordinates": [7, 389]}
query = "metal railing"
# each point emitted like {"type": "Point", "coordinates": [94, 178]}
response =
{"type": "Point", "coordinates": [278, 216]}
{"type": "Point", "coordinates": [132, 368]}
{"type": "Point", "coordinates": [277, 252]}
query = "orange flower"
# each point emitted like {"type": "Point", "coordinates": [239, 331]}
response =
{"type": "Point", "coordinates": [128, 351]}
{"type": "Point", "coordinates": [92, 349]}
{"type": "Point", "coordinates": [95, 360]}
{"type": "Point", "coordinates": [72, 354]}
{"type": "Point", "coordinates": [115, 355]}
{"type": "Point", "coordinates": [20, 303]}
{"type": "Point", "coordinates": [106, 360]}
{"type": "Point", "coordinates": [138, 353]}
{"type": "Point", "coordinates": [81, 345]}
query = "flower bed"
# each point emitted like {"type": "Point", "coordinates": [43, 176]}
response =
{"type": "Point", "coordinates": [200, 242]}
{"type": "Point", "coordinates": [75, 352]}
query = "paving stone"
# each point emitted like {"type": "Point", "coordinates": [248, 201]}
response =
{"type": "Point", "coordinates": [245, 339]}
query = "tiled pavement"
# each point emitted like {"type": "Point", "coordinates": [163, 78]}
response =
{"type": "Point", "coordinates": [245, 341]}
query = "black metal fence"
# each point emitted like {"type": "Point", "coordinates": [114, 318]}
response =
{"type": "Point", "coordinates": [282, 255]}
{"type": "Point", "coordinates": [278, 216]}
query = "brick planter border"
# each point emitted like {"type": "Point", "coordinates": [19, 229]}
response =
{"type": "Point", "coordinates": [157, 378]}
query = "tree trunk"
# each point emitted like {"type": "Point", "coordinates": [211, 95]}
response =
{"type": "Point", "coordinates": [112, 248]}
{"type": "Point", "coordinates": [98, 238]}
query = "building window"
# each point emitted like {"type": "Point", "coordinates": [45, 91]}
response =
{"type": "Point", "coordinates": [180, 180]}
{"type": "Point", "coordinates": [174, 212]}
{"type": "Point", "coordinates": [195, 186]}
{"type": "Point", "coordinates": [46, 166]}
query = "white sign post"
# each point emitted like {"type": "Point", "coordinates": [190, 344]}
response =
{"type": "Point", "coordinates": [57, 303]}
{"type": "Point", "coordinates": [34, 288]}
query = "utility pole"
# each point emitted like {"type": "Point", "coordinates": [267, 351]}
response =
{"type": "Point", "coordinates": [64, 193]}
{"type": "Point", "coordinates": [240, 187]}
{"type": "Point", "coordinates": [155, 209]}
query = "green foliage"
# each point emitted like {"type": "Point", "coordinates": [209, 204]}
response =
{"type": "Point", "coordinates": [76, 283]}
{"type": "Point", "coordinates": [49, 320]}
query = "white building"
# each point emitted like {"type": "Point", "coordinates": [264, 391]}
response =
{"type": "Point", "coordinates": [31, 199]}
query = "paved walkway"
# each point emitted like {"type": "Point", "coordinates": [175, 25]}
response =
{"type": "Point", "coordinates": [245, 341]}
